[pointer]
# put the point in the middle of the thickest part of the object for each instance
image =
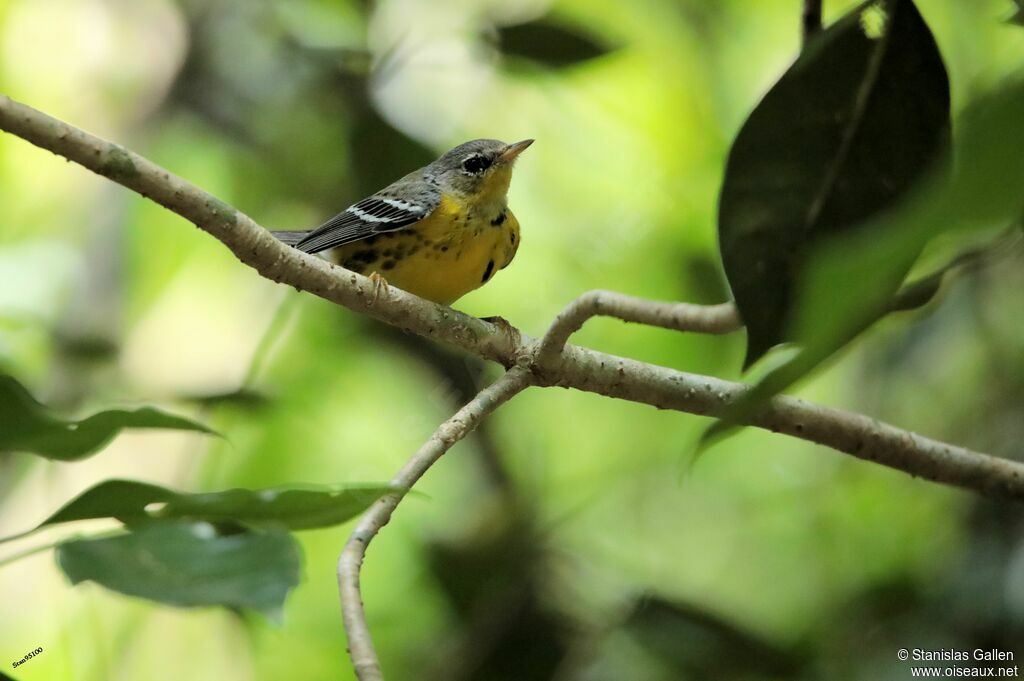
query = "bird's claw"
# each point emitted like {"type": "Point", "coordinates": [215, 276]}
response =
{"type": "Point", "coordinates": [509, 331]}
{"type": "Point", "coordinates": [380, 285]}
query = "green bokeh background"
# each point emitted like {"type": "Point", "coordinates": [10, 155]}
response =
{"type": "Point", "coordinates": [107, 298]}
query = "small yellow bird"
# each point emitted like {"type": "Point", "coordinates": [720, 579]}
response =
{"type": "Point", "coordinates": [439, 232]}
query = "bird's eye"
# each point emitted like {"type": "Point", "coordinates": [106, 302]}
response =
{"type": "Point", "coordinates": [475, 164]}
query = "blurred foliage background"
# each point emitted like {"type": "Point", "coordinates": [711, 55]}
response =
{"type": "Point", "coordinates": [569, 538]}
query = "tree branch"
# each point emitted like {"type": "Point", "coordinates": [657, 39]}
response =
{"type": "Point", "coordinates": [714, 319]}
{"type": "Point", "coordinates": [251, 244]}
{"type": "Point", "coordinates": [360, 645]}
{"type": "Point", "coordinates": [810, 19]}
{"type": "Point", "coordinates": [572, 367]}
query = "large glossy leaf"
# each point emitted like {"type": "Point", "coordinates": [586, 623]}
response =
{"type": "Point", "coordinates": [292, 507]}
{"type": "Point", "coordinates": [841, 295]}
{"type": "Point", "coordinates": [189, 564]}
{"type": "Point", "coordinates": [26, 425]}
{"type": "Point", "coordinates": [859, 118]}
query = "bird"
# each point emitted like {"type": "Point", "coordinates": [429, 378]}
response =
{"type": "Point", "coordinates": [439, 232]}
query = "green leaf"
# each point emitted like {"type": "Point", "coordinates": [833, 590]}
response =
{"type": "Point", "coordinates": [26, 425]}
{"type": "Point", "coordinates": [923, 290]}
{"type": "Point", "coordinates": [124, 500]}
{"type": "Point", "coordinates": [842, 295]}
{"type": "Point", "coordinates": [989, 170]}
{"type": "Point", "coordinates": [290, 507]}
{"type": "Point", "coordinates": [551, 45]}
{"type": "Point", "coordinates": [860, 117]}
{"type": "Point", "coordinates": [716, 648]}
{"type": "Point", "coordinates": [244, 399]}
{"type": "Point", "coordinates": [1018, 13]}
{"type": "Point", "coordinates": [189, 565]}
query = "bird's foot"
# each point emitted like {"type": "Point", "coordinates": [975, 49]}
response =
{"type": "Point", "coordinates": [509, 331]}
{"type": "Point", "coordinates": [380, 285]}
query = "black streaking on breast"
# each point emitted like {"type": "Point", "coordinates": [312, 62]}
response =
{"type": "Point", "coordinates": [489, 271]}
{"type": "Point", "coordinates": [354, 265]}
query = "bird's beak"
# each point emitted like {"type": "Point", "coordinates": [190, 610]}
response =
{"type": "Point", "coordinates": [513, 150]}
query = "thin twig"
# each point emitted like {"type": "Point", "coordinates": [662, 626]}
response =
{"type": "Point", "coordinates": [712, 319]}
{"type": "Point", "coordinates": [360, 645]}
{"type": "Point", "coordinates": [810, 19]}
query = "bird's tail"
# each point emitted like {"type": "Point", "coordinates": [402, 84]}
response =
{"type": "Point", "coordinates": [291, 237]}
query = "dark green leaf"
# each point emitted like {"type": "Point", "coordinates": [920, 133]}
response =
{"type": "Point", "coordinates": [371, 136]}
{"type": "Point", "coordinates": [841, 295]}
{"type": "Point", "coordinates": [1018, 13]}
{"type": "Point", "coordinates": [919, 292]}
{"type": "Point", "coordinates": [490, 576]}
{"type": "Point", "coordinates": [989, 170]}
{"type": "Point", "coordinates": [552, 45]}
{"type": "Point", "coordinates": [125, 500]}
{"type": "Point", "coordinates": [923, 290]}
{"type": "Point", "coordinates": [26, 425]}
{"type": "Point", "coordinates": [189, 564]}
{"type": "Point", "coordinates": [294, 508]}
{"type": "Point", "coordinates": [244, 398]}
{"type": "Point", "coordinates": [87, 347]}
{"type": "Point", "coordinates": [715, 648]}
{"type": "Point", "coordinates": [847, 130]}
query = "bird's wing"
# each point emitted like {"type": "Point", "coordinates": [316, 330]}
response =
{"type": "Point", "coordinates": [399, 205]}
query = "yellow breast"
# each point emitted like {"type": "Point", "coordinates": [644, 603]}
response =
{"type": "Point", "coordinates": [442, 257]}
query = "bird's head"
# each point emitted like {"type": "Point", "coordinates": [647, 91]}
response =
{"type": "Point", "coordinates": [478, 170]}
